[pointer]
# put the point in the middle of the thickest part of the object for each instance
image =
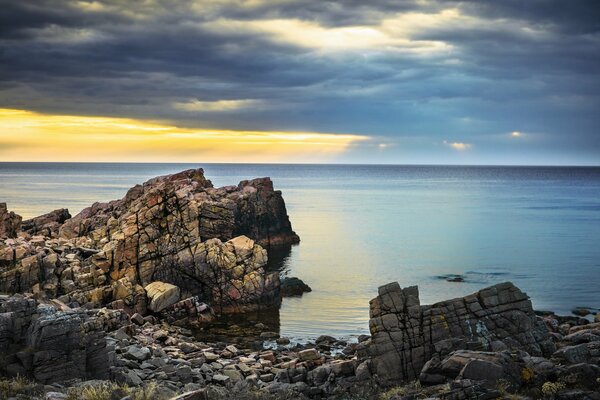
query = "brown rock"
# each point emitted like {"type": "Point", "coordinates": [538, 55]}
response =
{"type": "Point", "coordinates": [10, 223]}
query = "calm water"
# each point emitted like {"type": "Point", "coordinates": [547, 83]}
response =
{"type": "Point", "coordinates": [363, 226]}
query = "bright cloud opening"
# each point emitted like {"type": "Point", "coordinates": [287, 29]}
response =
{"type": "Point", "coordinates": [26, 135]}
{"type": "Point", "coordinates": [218, 105]}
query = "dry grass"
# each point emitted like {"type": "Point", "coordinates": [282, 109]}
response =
{"type": "Point", "coordinates": [111, 390]}
{"type": "Point", "coordinates": [400, 391]}
{"type": "Point", "coordinates": [18, 386]}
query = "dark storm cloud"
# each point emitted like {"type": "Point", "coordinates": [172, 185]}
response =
{"type": "Point", "coordinates": [506, 65]}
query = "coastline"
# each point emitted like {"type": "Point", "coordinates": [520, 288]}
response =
{"type": "Point", "coordinates": [124, 294]}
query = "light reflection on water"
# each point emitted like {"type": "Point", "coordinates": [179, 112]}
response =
{"type": "Point", "coordinates": [364, 226]}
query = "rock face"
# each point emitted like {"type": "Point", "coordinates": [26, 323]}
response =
{"type": "Point", "coordinates": [10, 223]}
{"type": "Point", "coordinates": [405, 334]}
{"type": "Point", "coordinates": [201, 243]}
{"type": "Point", "coordinates": [41, 342]}
{"type": "Point", "coordinates": [187, 203]}
{"type": "Point", "coordinates": [47, 224]}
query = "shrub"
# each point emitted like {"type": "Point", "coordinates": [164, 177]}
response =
{"type": "Point", "coordinates": [549, 389]}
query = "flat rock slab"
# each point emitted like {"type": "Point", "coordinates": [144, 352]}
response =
{"type": "Point", "coordinates": [161, 295]}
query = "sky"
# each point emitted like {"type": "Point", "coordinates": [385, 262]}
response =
{"type": "Point", "coordinates": [379, 81]}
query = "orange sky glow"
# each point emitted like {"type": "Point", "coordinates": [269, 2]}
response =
{"type": "Point", "coordinates": [26, 135]}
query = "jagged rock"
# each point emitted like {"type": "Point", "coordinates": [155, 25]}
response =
{"type": "Point", "coordinates": [161, 295]}
{"type": "Point", "coordinates": [188, 201]}
{"type": "Point", "coordinates": [175, 229]}
{"type": "Point", "coordinates": [405, 335]}
{"type": "Point", "coordinates": [41, 342]}
{"type": "Point", "coordinates": [47, 224]}
{"type": "Point", "coordinates": [10, 223]}
{"type": "Point", "coordinates": [585, 352]}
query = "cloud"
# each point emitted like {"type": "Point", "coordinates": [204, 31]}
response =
{"type": "Point", "coordinates": [386, 69]}
{"type": "Point", "coordinates": [460, 146]}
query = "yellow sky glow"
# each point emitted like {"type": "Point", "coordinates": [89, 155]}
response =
{"type": "Point", "coordinates": [30, 136]}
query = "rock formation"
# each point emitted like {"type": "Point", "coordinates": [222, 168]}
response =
{"type": "Point", "coordinates": [406, 335]}
{"type": "Point", "coordinates": [186, 204]}
{"type": "Point", "coordinates": [49, 345]}
{"type": "Point", "coordinates": [10, 223]}
{"type": "Point", "coordinates": [47, 224]}
{"type": "Point", "coordinates": [172, 230]}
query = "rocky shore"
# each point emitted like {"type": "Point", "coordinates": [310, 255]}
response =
{"type": "Point", "coordinates": [117, 301]}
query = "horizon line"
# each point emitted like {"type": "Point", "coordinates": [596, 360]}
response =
{"type": "Point", "coordinates": [309, 163]}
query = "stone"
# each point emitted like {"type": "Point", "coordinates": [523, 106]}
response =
{"type": "Point", "coordinates": [294, 287]}
{"type": "Point", "coordinates": [221, 379]}
{"type": "Point", "coordinates": [161, 295]}
{"type": "Point", "coordinates": [10, 223]}
{"type": "Point", "coordinates": [200, 394]}
{"type": "Point", "coordinates": [51, 345]}
{"type": "Point", "coordinates": [137, 319]}
{"type": "Point", "coordinates": [47, 224]}
{"type": "Point", "coordinates": [309, 355]}
{"type": "Point", "coordinates": [138, 353]}
{"type": "Point", "coordinates": [55, 396]}
{"type": "Point", "coordinates": [269, 335]}
{"type": "Point", "coordinates": [405, 335]}
{"type": "Point", "coordinates": [325, 339]}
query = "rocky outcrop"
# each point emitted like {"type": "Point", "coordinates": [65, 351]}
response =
{"type": "Point", "coordinates": [406, 335]}
{"type": "Point", "coordinates": [10, 223]}
{"type": "Point", "coordinates": [49, 345]}
{"type": "Point", "coordinates": [187, 203]}
{"type": "Point", "coordinates": [229, 276]}
{"type": "Point", "coordinates": [177, 230]}
{"type": "Point", "coordinates": [47, 224]}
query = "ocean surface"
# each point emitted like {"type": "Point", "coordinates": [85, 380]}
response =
{"type": "Point", "coordinates": [362, 226]}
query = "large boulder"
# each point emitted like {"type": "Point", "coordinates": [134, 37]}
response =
{"type": "Point", "coordinates": [405, 334]}
{"type": "Point", "coordinates": [10, 223]}
{"type": "Point", "coordinates": [162, 295]}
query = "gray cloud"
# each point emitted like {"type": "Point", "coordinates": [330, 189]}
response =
{"type": "Point", "coordinates": [509, 65]}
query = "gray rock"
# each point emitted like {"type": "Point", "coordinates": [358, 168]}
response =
{"type": "Point", "coordinates": [405, 334]}
{"type": "Point", "coordinates": [138, 353]}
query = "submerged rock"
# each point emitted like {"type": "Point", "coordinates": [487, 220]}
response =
{"type": "Point", "coordinates": [294, 287]}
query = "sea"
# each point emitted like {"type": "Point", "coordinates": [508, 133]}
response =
{"type": "Point", "coordinates": [362, 226]}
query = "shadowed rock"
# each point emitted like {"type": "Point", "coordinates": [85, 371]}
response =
{"type": "Point", "coordinates": [39, 341]}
